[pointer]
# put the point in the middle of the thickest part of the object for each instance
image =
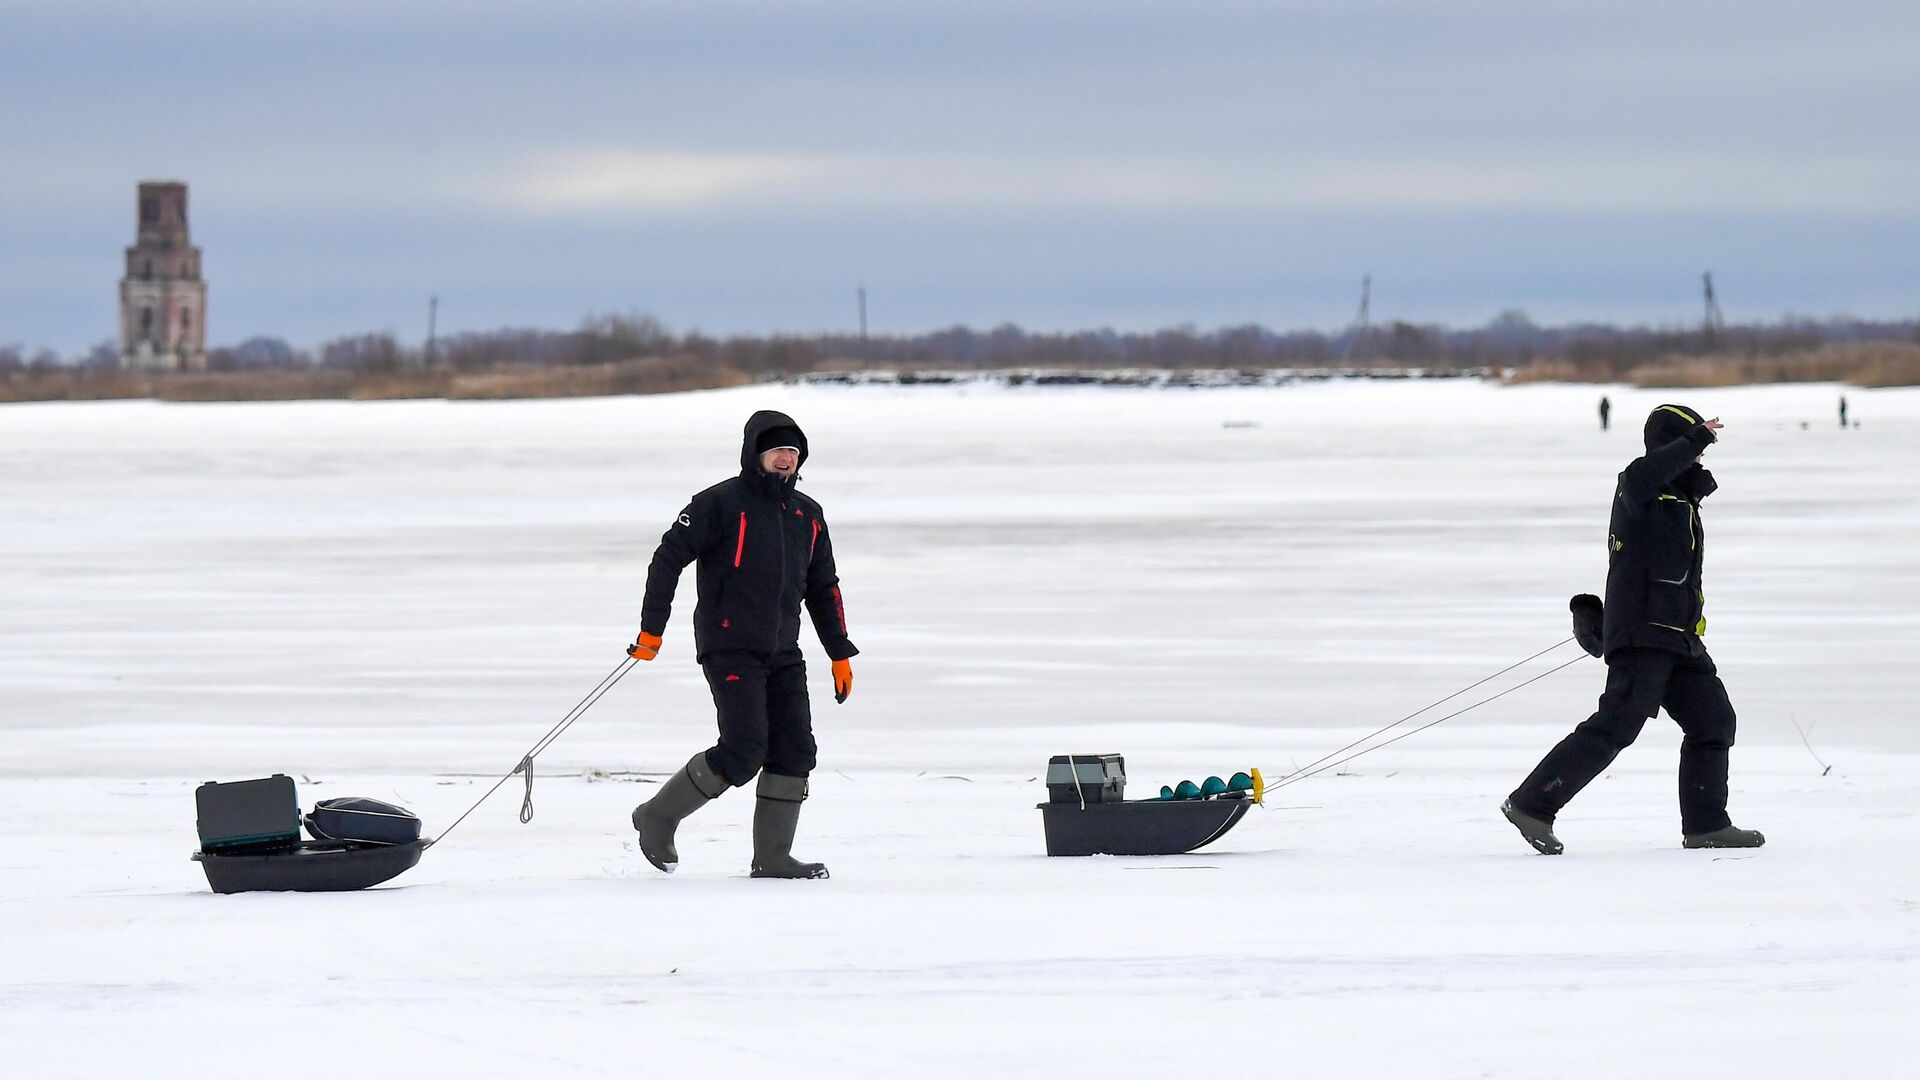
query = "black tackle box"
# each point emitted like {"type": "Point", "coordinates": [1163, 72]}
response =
{"type": "Point", "coordinates": [248, 817]}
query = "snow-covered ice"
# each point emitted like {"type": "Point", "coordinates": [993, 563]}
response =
{"type": "Point", "coordinates": [396, 599]}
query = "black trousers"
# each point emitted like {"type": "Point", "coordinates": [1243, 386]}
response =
{"type": "Point", "coordinates": [1639, 683]}
{"type": "Point", "coordinates": [765, 721]}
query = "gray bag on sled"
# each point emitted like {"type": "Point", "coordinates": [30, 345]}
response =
{"type": "Point", "coordinates": [355, 820]}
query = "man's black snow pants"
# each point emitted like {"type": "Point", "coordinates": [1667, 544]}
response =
{"type": "Point", "coordinates": [1639, 683]}
{"type": "Point", "coordinates": [765, 720]}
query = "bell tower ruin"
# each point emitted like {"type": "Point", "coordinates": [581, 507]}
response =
{"type": "Point", "coordinates": [163, 300]}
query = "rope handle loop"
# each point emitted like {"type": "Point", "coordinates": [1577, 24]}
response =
{"type": "Point", "coordinates": [526, 801]}
{"type": "Point", "coordinates": [526, 761]}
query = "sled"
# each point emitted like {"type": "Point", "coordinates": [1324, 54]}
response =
{"type": "Point", "coordinates": [1139, 826]}
{"type": "Point", "coordinates": [250, 840]}
{"type": "Point", "coordinates": [310, 866]}
{"type": "Point", "coordinates": [1086, 812]}
{"type": "Point", "coordinates": [249, 830]}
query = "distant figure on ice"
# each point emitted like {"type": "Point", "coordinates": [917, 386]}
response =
{"type": "Point", "coordinates": [1650, 637]}
{"type": "Point", "coordinates": [1843, 410]}
{"type": "Point", "coordinates": [763, 551]}
{"type": "Point", "coordinates": [1606, 411]}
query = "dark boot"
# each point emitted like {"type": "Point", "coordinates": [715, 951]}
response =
{"type": "Point", "coordinates": [1703, 788]}
{"type": "Point", "coordinates": [693, 787]}
{"type": "Point", "coordinates": [1535, 831]}
{"type": "Point", "coordinates": [1728, 837]}
{"type": "Point", "coordinates": [776, 814]}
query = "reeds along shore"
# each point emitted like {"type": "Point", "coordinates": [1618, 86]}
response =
{"type": "Point", "coordinates": [653, 375]}
{"type": "Point", "coordinates": [1866, 364]}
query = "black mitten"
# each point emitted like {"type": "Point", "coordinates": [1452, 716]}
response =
{"type": "Point", "coordinates": [1587, 612]}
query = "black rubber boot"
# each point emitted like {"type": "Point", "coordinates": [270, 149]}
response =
{"type": "Point", "coordinates": [1727, 837]}
{"type": "Point", "coordinates": [1703, 789]}
{"type": "Point", "coordinates": [776, 814]}
{"type": "Point", "coordinates": [1535, 831]}
{"type": "Point", "coordinates": [693, 787]}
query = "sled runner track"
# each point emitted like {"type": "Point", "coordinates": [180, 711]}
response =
{"type": "Point", "coordinates": [1298, 776]}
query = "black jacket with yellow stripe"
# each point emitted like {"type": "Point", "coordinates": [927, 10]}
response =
{"type": "Point", "coordinates": [1655, 544]}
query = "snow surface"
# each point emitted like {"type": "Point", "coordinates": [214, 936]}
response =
{"type": "Point", "coordinates": [397, 599]}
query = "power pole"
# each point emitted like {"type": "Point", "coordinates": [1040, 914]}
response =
{"type": "Point", "coordinates": [1711, 325]}
{"type": "Point", "coordinates": [863, 324]}
{"type": "Point", "coordinates": [1361, 321]}
{"type": "Point", "coordinates": [433, 313]}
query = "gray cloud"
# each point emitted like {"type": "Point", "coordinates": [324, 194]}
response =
{"type": "Point", "coordinates": [543, 160]}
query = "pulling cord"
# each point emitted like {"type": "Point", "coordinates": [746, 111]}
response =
{"type": "Point", "coordinates": [1299, 776]}
{"type": "Point", "coordinates": [1308, 769]}
{"type": "Point", "coordinates": [526, 762]}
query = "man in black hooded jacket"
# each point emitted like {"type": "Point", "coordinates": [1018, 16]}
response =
{"type": "Point", "coordinates": [1650, 638]}
{"type": "Point", "coordinates": [763, 551]}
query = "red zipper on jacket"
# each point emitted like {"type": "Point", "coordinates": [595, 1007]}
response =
{"type": "Point", "coordinates": [740, 547]}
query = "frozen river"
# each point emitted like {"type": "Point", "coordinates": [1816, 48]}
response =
{"type": "Point", "coordinates": [302, 576]}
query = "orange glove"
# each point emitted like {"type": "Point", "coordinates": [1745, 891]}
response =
{"type": "Point", "coordinates": [646, 647]}
{"type": "Point", "coordinates": [842, 680]}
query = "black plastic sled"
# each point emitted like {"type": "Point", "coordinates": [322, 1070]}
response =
{"type": "Point", "coordinates": [250, 839]}
{"type": "Point", "coordinates": [310, 866]}
{"type": "Point", "coordinates": [1087, 813]}
{"type": "Point", "coordinates": [1138, 827]}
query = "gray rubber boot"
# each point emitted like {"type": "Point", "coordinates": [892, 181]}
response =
{"type": "Point", "coordinates": [776, 814]}
{"type": "Point", "coordinates": [1535, 831]}
{"type": "Point", "coordinates": [1727, 837]}
{"type": "Point", "coordinates": [693, 787]}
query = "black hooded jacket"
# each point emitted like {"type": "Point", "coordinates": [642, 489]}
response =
{"type": "Point", "coordinates": [1655, 544]}
{"type": "Point", "coordinates": [763, 551]}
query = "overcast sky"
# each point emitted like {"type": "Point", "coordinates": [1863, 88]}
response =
{"type": "Point", "coordinates": [743, 166]}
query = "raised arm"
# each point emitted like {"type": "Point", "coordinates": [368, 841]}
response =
{"type": "Point", "coordinates": [1642, 480]}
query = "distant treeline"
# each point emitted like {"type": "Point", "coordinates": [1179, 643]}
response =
{"type": "Point", "coordinates": [637, 354]}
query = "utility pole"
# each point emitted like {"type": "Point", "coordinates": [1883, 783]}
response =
{"type": "Point", "coordinates": [1360, 321]}
{"type": "Point", "coordinates": [433, 312]}
{"type": "Point", "coordinates": [1711, 325]}
{"type": "Point", "coordinates": [863, 324]}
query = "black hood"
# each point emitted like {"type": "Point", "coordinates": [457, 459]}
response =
{"type": "Point", "coordinates": [760, 423]}
{"type": "Point", "coordinates": [1667, 423]}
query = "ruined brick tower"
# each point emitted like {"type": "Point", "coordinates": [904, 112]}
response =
{"type": "Point", "coordinates": [163, 301]}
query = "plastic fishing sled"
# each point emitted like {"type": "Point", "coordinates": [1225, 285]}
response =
{"type": "Point", "coordinates": [250, 840]}
{"type": "Point", "coordinates": [250, 830]}
{"type": "Point", "coordinates": [1086, 812]}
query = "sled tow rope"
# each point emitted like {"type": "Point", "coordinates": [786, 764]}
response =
{"type": "Point", "coordinates": [526, 762]}
{"type": "Point", "coordinates": [1334, 760]}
